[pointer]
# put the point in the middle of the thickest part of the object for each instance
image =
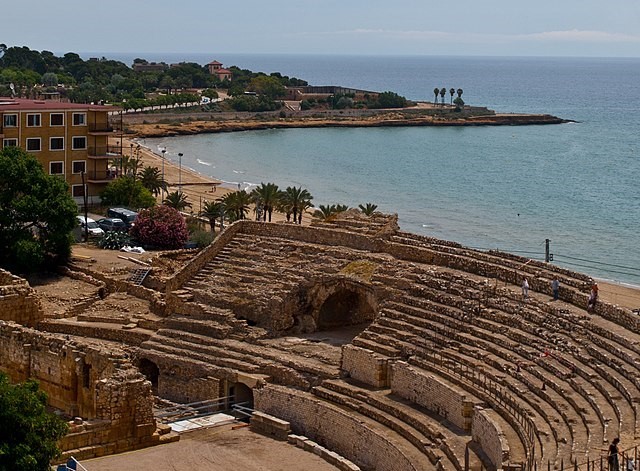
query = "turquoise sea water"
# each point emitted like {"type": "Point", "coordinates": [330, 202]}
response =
{"type": "Point", "coordinates": [488, 187]}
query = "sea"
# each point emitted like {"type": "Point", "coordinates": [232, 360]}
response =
{"type": "Point", "coordinates": [507, 187]}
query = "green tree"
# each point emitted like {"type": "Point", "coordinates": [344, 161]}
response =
{"type": "Point", "coordinates": [268, 86]}
{"type": "Point", "coordinates": [177, 200]}
{"type": "Point", "coordinates": [326, 212]}
{"type": "Point", "coordinates": [151, 179]}
{"type": "Point", "coordinates": [50, 79]}
{"type": "Point", "coordinates": [266, 198]}
{"type": "Point", "coordinates": [452, 92]}
{"type": "Point", "coordinates": [443, 92]}
{"type": "Point", "coordinates": [459, 92]}
{"type": "Point", "coordinates": [37, 213]}
{"type": "Point", "coordinates": [28, 433]}
{"type": "Point", "coordinates": [236, 205]}
{"type": "Point", "coordinates": [389, 100]}
{"type": "Point", "coordinates": [213, 210]}
{"type": "Point", "coordinates": [295, 201]}
{"type": "Point", "coordinates": [436, 92]}
{"type": "Point", "coordinates": [368, 209]}
{"type": "Point", "coordinates": [126, 191]}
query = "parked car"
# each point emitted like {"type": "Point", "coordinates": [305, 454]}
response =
{"type": "Point", "coordinates": [124, 214]}
{"type": "Point", "coordinates": [92, 228]}
{"type": "Point", "coordinates": [112, 224]}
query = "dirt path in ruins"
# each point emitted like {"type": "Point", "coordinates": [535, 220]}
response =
{"type": "Point", "coordinates": [215, 449]}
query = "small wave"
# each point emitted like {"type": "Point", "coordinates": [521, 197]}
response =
{"type": "Point", "coordinates": [202, 162]}
{"type": "Point", "coordinates": [238, 171]}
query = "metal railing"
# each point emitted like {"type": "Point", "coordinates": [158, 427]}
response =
{"type": "Point", "coordinates": [100, 127]}
{"type": "Point", "coordinates": [105, 151]}
{"type": "Point", "coordinates": [101, 175]}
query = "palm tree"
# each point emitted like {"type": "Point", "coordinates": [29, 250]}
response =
{"type": "Point", "coordinates": [295, 201]}
{"type": "Point", "coordinates": [459, 92]}
{"type": "Point", "coordinates": [236, 204]}
{"type": "Point", "coordinates": [436, 92]}
{"type": "Point", "coordinates": [325, 212]}
{"type": "Point", "coordinates": [213, 210]}
{"type": "Point", "coordinates": [266, 197]}
{"type": "Point", "coordinates": [452, 91]}
{"type": "Point", "coordinates": [368, 209]}
{"type": "Point", "coordinates": [443, 92]}
{"type": "Point", "coordinates": [177, 200]}
{"type": "Point", "coordinates": [151, 179]}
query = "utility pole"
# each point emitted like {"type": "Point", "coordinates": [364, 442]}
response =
{"type": "Point", "coordinates": [546, 250]}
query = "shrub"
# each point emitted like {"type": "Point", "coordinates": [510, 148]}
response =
{"type": "Point", "coordinates": [114, 240]}
{"type": "Point", "coordinates": [202, 238]}
{"type": "Point", "coordinates": [162, 227]}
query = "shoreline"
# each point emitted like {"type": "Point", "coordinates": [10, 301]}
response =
{"type": "Point", "coordinates": [184, 124]}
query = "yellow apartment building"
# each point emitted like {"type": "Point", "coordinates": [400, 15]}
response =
{"type": "Point", "coordinates": [68, 139]}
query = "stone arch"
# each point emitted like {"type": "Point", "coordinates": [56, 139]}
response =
{"type": "Point", "coordinates": [345, 306]}
{"type": "Point", "coordinates": [240, 393]}
{"type": "Point", "coordinates": [335, 303]}
{"type": "Point", "coordinates": [151, 371]}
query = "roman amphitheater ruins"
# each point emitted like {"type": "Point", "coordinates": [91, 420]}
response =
{"type": "Point", "coordinates": [387, 349]}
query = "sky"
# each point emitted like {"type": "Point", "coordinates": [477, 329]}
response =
{"type": "Point", "coordinates": [595, 28]}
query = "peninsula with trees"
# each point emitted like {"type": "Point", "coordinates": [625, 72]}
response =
{"type": "Point", "coordinates": [159, 99]}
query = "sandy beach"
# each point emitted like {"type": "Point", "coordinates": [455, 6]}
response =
{"type": "Point", "coordinates": [197, 187]}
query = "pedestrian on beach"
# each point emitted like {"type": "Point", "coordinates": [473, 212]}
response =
{"type": "Point", "coordinates": [555, 286]}
{"type": "Point", "coordinates": [525, 289]}
{"type": "Point", "coordinates": [612, 455]}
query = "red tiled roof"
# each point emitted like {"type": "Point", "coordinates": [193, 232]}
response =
{"type": "Point", "coordinates": [214, 63]}
{"type": "Point", "coordinates": [20, 104]}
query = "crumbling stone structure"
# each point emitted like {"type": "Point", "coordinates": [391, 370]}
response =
{"type": "Point", "coordinates": [112, 398]}
{"type": "Point", "coordinates": [395, 351]}
{"type": "Point", "coordinates": [18, 302]}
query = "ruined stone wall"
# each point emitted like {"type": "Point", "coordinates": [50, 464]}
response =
{"type": "Point", "coordinates": [489, 435]}
{"type": "Point", "coordinates": [180, 389]}
{"type": "Point", "coordinates": [156, 303]}
{"type": "Point", "coordinates": [432, 393]}
{"type": "Point", "coordinates": [332, 427]}
{"type": "Point", "coordinates": [100, 386]}
{"type": "Point", "coordinates": [18, 301]}
{"type": "Point", "coordinates": [365, 365]}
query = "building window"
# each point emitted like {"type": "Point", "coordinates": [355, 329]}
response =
{"type": "Point", "coordinates": [33, 120]}
{"type": "Point", "coordinates": [10, 121]}
{"type": "Point", "coordinates": [56, 143]}
{"type": "Point", "coordinates": [79, 119]}
{"type": "Point", "coordinates": [79, 166]}
{"type": "Point", "coordinates": [77, 190]}
{"type": "Point", "coordinates": [33, 144]}
{"type": "Point", "coordinates": [9, 143]}
{"type": "Point", "coordinates": [57, 119]}
{"type": "Point", "coordinates": [56, 168]}
{"type": "Point", "coordinates": [79, 142]}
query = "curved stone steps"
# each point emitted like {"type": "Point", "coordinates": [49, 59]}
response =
{"type": "Point", "coordinates": [254, 353]}
{"type": "Point", "coordinates": [448, 438]}
{"type": "Point", "coordinates": [406, 326]}
{"type": "Point", "coordinates": [609, 403]}
{"type": "Point", "coordinates": [416, 446]}
{"type": "Point", "coordinates": [492, 343]}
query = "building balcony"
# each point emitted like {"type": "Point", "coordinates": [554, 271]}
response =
{"type": "Point", "coordinates": [104, 152]}
{"type": "Point", "coordinates": [100, 176]}
{"type": "Point", "coordinates": [100, 128]}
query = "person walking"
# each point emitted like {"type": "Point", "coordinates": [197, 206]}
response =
{"type": "Point", "coordinates": [612, 455]}
{"type": "Point", "coordinates": [555, 286]}
{"type": "Point", "coordinates": [525, 289]}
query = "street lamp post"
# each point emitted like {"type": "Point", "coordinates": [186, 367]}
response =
{"type": "Point", "coordinates": [164, 150]}
{"type": "Point", "coordinates": [180, 172]}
